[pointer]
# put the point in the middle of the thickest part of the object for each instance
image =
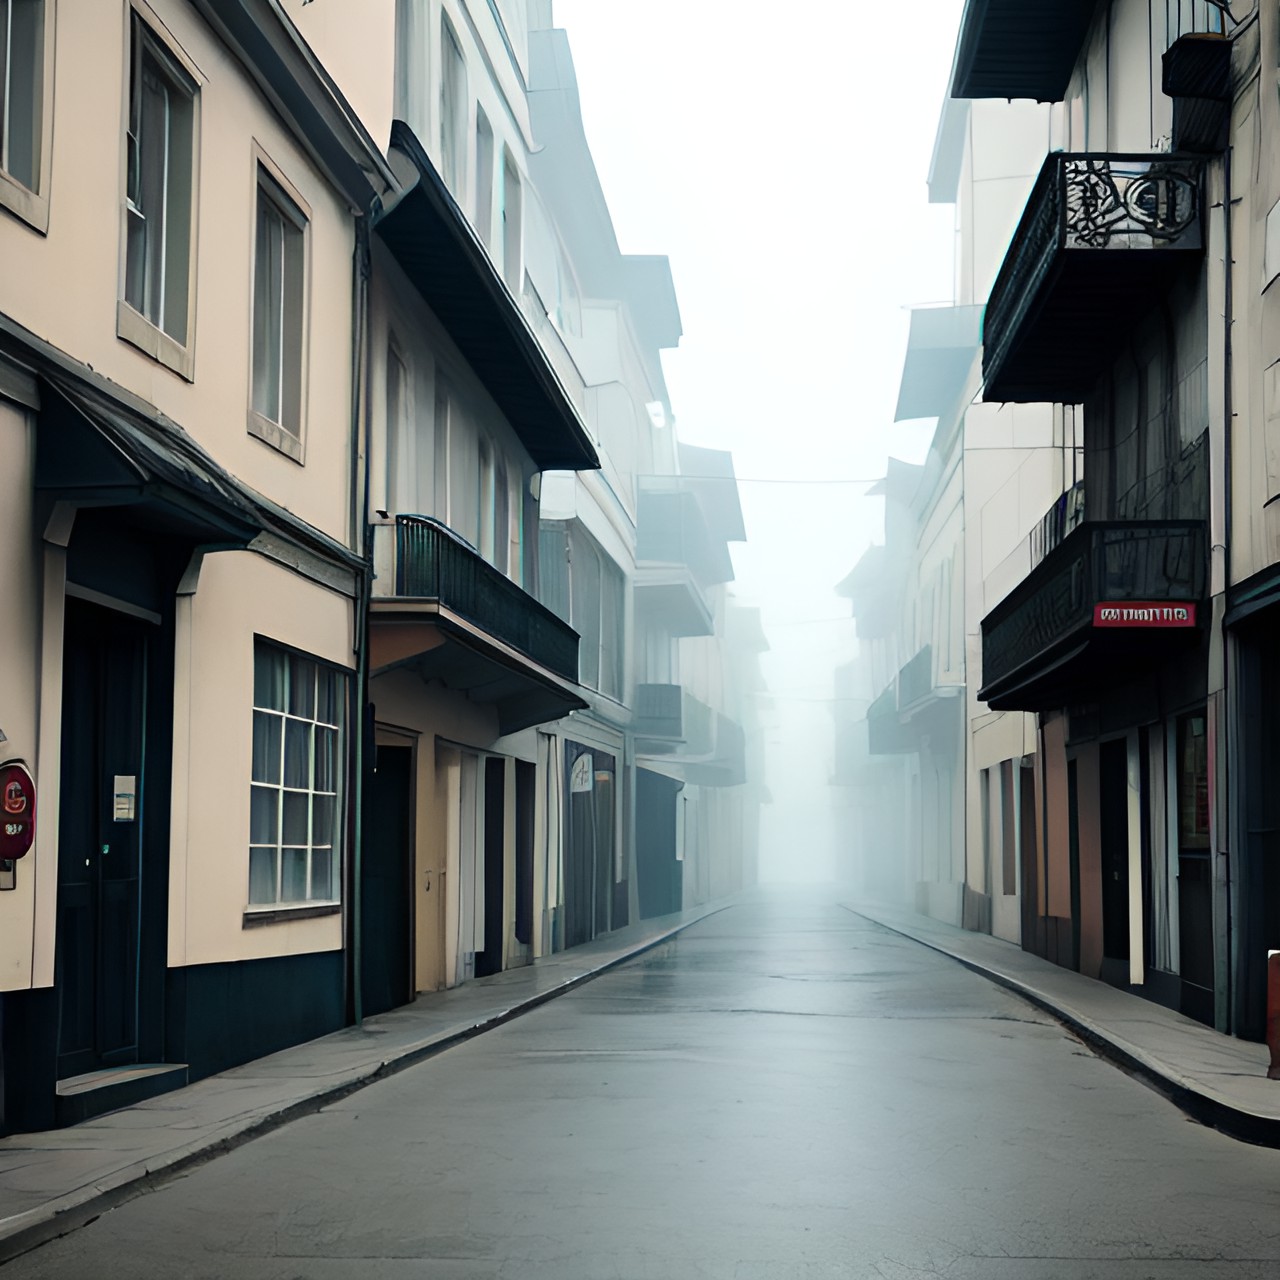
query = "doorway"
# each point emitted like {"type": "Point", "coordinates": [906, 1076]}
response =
{"type": "Point", "coordinates": [1113, 787]}
{"type": "Point", "coordinates": [1195, 871]}
{"type": "Point", "coordinates": [386, 883]}
{"type": "Point", "coordinates": [658, 868]}
{"type": "Point", "coordinates": [591, 845]}
{"type": "Point", "coordinates": [489, 956]}
{"type": "Point", "coordinates": [102, 814]}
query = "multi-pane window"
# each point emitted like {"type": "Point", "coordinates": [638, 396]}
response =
{"type": "Point", "coordinates": [453, 112]}
{"type": "Point", "coordinates": [159, 176]}
{"type": "Point", "coordinates": [278, 308]}
{"type": "Point", "coordinates": [295, 810]}
{"type": "Point", "coordinates": [21, 89]}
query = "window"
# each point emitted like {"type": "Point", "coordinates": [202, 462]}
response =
{"type": "Point", "coordinates": [453, 112]}
{"type": "Point", "coordinates": [22, 33]}
{"type": "Point", "coordinates": [511, 213]}
{"type": "Point", "coordinates": [399, 440]}
{"type": "Point", "coordinates": [411, 54]}
{"type": "Point", "coordinates": [486, 500]}
{"type": "Point", "coordinates": [495, 513]}
{"type": "Point", "coordinates": [298, 755]}
{"type": "Point", "coordinates": [484, 177]}
{"type": "Point", "coordinates": [159, 208]}
{"type": "Point", "coordinates": [501, 516]}
{"type": "Point", "coordinates": [278, 317]}
{"type": "Point", "coordinates": [441, 450]}
{"type": "Point", "coordinates": [597, 591]}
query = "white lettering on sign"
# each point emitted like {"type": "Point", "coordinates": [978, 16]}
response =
{"type": "Point", "coordinates": [1144, 614]}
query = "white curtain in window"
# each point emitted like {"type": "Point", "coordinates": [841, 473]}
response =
{"type": "Point", "coordinates": [268, 311]}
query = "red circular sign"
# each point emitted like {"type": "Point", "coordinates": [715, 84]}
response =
{"type": "Point", "coordinates": [17, 810]}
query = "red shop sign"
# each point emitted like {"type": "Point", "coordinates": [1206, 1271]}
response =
{"type": "Point", "coordinates": [1144, 613]}
{"type": "Point", "coordinates": [17, 810]}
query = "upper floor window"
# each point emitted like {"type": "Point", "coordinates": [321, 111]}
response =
{"type": "Point", "coordinates": [22, 37]}
{"type": "Point", "coordinates": [279, 316]}
{"type": "Point", "coordinates": [159, 213]}
{"type": "Point", "coordinates": [597, 590]}
{"type": "Point", "coordinates": [484, 177]}
{"type": "Point", "coordinates": [453, 112]}
{"type": "Point", "coordinates": [512, 214]}
{"type": "Point", "coordinates": [399, 437]}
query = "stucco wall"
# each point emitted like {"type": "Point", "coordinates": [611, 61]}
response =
{"type": "Point", "coordinates": [81, 255]}
{"type": "Point", "coordinates": [19, 643]}
{"type": "Point", "coordinates": [240, 595]}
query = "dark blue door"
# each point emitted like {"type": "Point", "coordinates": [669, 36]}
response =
{"type": "Point", "coordinates": [101, 816]}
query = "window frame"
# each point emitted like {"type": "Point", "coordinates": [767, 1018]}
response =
{"type": "Point", "coordinates": [270, 182]}
{"type": "Point", "coordinates": [281, 908]}
{"type": "Point", "coordinates": [455, 110]}
{"type": "Point", "coordinates": [132, 326]}
{"type": "Point", "coordinates": [400, 464]}
{"type": "Point", "coordinates": [31, 205]}
{"type": "Point", "coordinates": [512, 213]}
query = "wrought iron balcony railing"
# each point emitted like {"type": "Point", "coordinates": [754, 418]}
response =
{"type": "Point", "coordinates": [434, 563]}
{"type": "Point", "coordinates": [1101, 580]}
{"type": "Point", "coordinates": [1066, 514]}
{"type": "Point", "coordinates": [1099, 234]}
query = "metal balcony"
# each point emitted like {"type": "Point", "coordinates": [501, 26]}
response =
{"type": "Point", "coordinates": [671, 721]}
{"type": "Point", "coordinates": [433, 563]}
{"type": "Point", "coordinates": [1101, 238]}
{"type": "Point", "coordinates": [659, 716]}
{"type": "Point", "coordinates": [1108, 599]}
{"type": "Point", "coordinates": [441, 609]}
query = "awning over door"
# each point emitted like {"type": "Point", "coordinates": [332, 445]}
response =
{"type": "Point", "coordinates": [93, 452]}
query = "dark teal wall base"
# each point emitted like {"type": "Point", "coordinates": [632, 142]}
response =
{"type": "Point", "coordinates": [223, 1015]}
{"type": "Point", "coordinates": [217, 1016]}
{"type": "Point", "coordinates": [28, 1060]}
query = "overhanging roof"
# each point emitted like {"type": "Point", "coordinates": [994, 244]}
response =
{"type": "Point", "coordinates": [1019, 48]}
{"type": "Point", "coordinates": [431, 238]}
{"type": "Point", "coordinates": [295, 82]}
{"type": "Point", "coordinates": [940, 354]}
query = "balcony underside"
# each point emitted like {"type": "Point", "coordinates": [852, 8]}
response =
{"type": "Point", "coordinates": [672, 597]}
{"type": "Point", "coordinates": [935, 721]}
{"type": "Point", "coordinates": [436, 644]}
{"type": "Point", "coordinates": [1084, 665]}
{"type": "Point", "coordinates": [1076, 322]}
{"type": "Point", "coordinates": [1112, 599]}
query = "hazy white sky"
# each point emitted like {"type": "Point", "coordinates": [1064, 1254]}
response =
{"type": "Point", "coordinates": [778, 156]}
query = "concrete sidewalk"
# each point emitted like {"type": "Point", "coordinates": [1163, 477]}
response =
{"type": "Point", "coordinates": [53, 1182]}
{"type": "Point", "coordinates": [1219, 1080]}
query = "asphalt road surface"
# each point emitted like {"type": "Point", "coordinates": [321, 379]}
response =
{"type": "Point", "coordinates": [785, 1092]}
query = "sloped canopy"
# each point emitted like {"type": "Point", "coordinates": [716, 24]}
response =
{"type": "Point", "coordinates": [95, 453]}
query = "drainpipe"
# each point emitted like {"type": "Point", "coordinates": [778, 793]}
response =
{"type": "Point", "coordinates": [1228, 415]}
{"type": "Point", "coordinates": [362, 537]}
